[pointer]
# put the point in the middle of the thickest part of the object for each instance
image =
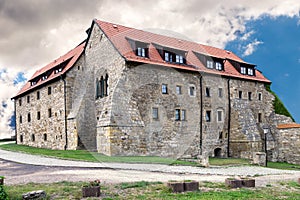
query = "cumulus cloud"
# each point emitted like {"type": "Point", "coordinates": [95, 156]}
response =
{"type": "Point", "coordinates": [35, 32]}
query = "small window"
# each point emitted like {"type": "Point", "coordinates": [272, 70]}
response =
{"type": "Point", "coordinates": [21, 138]}
{"type": "Point", "coordinates": [49, 112]}
{"type": "Point", "coordinates": [179, 59]}
{"type": "Point", "coordinates": [44, 77]}
{"type": "Point", "coordinates": [207, 92]}
{"type": "Point", "coordinates": [250, 72]}
{"type": "Point", "coordinates": [78, 67]}
{"type": "Point", "coordinates": [20, 119]}
{"type": "Point", "coordinates": [210, 64]}
{"type": "Point", "coordinates": [38, 115]}
{"type": "Point", "coordinates": [177, 114]}
{"type": "Point", "coordinates": [240, 94]}
{"type": "Point", "coordinates": [168, 56]}
{"type": "Point", "coordinates": [178, 89]}
{"type": "Point", "coordinates": [259, 96]}
{"type": "Point", "coordinates": [20, 102]}
{"type": "Point", "coordinates": [259, 118]}
{"type": "Point", "coordinates": [38, 95]}
{"type": "Point", "coordinates": [220, 135]}
{"type": "Point", "coordinates": [192, 90]}
{"type": "Point", "coordinates": [154, 113]}
{"type": "Point", "coordinates": [243, 70]}
{"type": "Point", "coordinates": [33, 138]}
{"type": "Point", "coordinates": [220, 116]}
{"type": "Point", "coordinates": [28, 117]}
{"type": "Point", "coordinates": [164, 89]}
{"type": "Point", "coordinates": [45, 137]}
{"type": "Point", "coordinates": [249, 96]}
{"type": "Point", "coordinates": [220, 92]}
{"type": "Point", "coordinates": [208, 116]}
{"type": "Point", "coordinates": [141, 52]}
{"type": "Point", "coordinates": [183, 115]}
{"type": "Point", "coordinates": [49, 90]}
{"type": "Point", "coordinates": [28, 99]}
{"type": "Point", "coordinates": [218, 66]}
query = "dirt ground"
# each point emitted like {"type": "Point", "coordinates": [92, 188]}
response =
{"type": "Point", "coordinates": [16, 173]}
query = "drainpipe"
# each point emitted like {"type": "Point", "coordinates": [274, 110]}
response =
{"type": "Point", "coordinates": [229, 118]}
{"type": "Point", "coordinates": [201, 114]}
{"type": "Point", "coordinates": [65, 108]}
{"type": "Point", "coordinates": [16, 137]}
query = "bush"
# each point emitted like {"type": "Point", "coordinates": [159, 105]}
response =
{"type": "Point", "coordinates": [3, 195]}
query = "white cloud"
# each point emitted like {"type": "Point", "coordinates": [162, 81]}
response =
{"type": "Point", "coordinates": [30, 37]}
{"type": "Point", "coordinates": [251, 47]}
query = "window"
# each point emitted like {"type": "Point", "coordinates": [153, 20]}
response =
{"type": "Point", "coordinates": [102, 87]}
{"type": "Point", "coordinates": [207, 92]}
{"type": "Point", "coordinates": [250, 72]}
{"type": "Point", "coordinates": [38, 115]}
{"type": "Point", "coordinates": [168, 57]}
{"type": "Point", "coordinates": [220, 135]}
{"type": "Point", "coordinates": [28, 99]}
{"type": "Point", "coordinates": [38, 95]}
{"type": "Point", "coordinates": [177, 114]}
{"type": "Point", "coordinates": [49, 112]}
{"type": "Point", "coordinates": [28, 117]}
{"type": "Point", "coordinates": [259, 96]}
{"type": "Point", "coordinates": [192, 90]}
{"type": "Point", "coordinates": [21, 138]}
{"type": "Point", "coordinates": [20, 102]}
{"type": "Point", "coordinates": [183, 116]}
{"type": "Point", "coordinates": [164, 89]}
{"type": "Point", "coordinates": [49, 90]}
{"type": "Point", "coordinates": [208, 116]}
{"type": "Point", "coordinates": [218, 66]}
{"type": "Point", "coordinates": [220, 116]}
{"type": "Point", "coordinates": [210, 64]}
{"type": "Point", "coordinates": [178, 89]}
{"type": "Point", "coordinates": [45, 137]}
{"type": "Point", "coordinates": [58, 70]}
{"type": "Point", "coordinates": [179, 58]}
{"type": "Point", "coordinates": [249, 96]}
{"type": "Point", "coordinates": [220, 92]}
{"type": "Point", "coordinates": [20, 119]}
{"type": "Point", "coordinates": [259, 119]}
{"type": "Point", "coordinates": [32, 83]}
{"type": "Point", "coordinates": [240, 94]}
{"type": "Point", "coordinates": [44, 77]}
{"type": "Point", "coordinates": [32, 137]}
{"type": "Point", "coordinates": [243, 70]}
{"type": "Point", "coordinates": [154, 113]}
{"type": "Point", "coordinates": [141, 52]}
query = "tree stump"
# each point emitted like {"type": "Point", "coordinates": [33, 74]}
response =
{"type": "Point", "coordinates": [91, 191]}
{"type": "Point", "coordinates": [233, 183]}
{"type": "Point", "coordinates": [176, 187]}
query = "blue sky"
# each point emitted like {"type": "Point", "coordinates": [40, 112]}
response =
{"type": "Point", "coordinates": [277, 55]}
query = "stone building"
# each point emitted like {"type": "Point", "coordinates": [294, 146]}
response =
{"type": "Point", "coordinates": [125, 91]}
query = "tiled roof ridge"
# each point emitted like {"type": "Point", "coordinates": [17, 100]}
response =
{"type": "Point", "coordinates": [287, 126]}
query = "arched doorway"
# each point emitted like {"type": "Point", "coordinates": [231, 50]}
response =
{"type": "Point", "coordinates": [218, 153]}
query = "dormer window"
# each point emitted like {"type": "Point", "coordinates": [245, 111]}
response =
{"type": "Point", "coordinates": [250, 72]}
{"type": "Point", "coordinates": [179, 58]}
{"type": "Point", "coordinates": [219, 66]}
{"type": "Point", "coordinates": [210, 64]}
{"type": "Point", "coordinates": [140, 48]}
{"type": "Point", "coordinates": [32, 83]}
{"type": "Point", "coordinates": [141, 52]}
{"type": "Point", "coordinates": [176, 57]}
{"type": "Point", "coordinates": [44, 77]}
{"type": "Point", "coordinates": [57, 70]}
{"type": "Point", "coordinates": [243, 70]}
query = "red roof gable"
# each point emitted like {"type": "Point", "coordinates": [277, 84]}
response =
{"type": "Point", "coordinates": [68, 60]}
{"type": "Point", "coordinates": [119, 36]}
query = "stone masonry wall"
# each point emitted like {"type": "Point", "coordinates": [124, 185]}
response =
{"type": "Point", "coordinates": [46, 132]}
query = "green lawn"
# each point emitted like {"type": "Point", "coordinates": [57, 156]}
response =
{"type": "Point", "coordinates": [157, 190]}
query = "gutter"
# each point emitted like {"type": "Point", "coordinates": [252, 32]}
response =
{"type": "Point", "coordinates": [65, 108]}
{"type": "Point", "coordinates": [229, 118]}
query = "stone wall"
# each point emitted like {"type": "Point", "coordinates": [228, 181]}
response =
{"type": "Point", "coordinates": [48, 131]}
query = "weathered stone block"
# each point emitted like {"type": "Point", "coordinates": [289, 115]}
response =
{"type": "Point", "coordinates": [259, 158]}
{"type": "Point", "coordinates": [176, 187]}
{"type": "Point", "coordinates": [92, 191]}
{"type": "Point", "coordinates": [39, 194]}
{"type": "Point", "coordinates": [233, 183]}
{"type": "Point", "coordinates": [191, 186]}
{"type": "Point", "coordinates": [248, 182]}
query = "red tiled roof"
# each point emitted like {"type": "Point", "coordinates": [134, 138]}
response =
{"type": "Point", "coordinates": [286, 126]}
{"type": "Point", "coordinates": [119, 36]}
{"type": "Point", "coordinates": [71, 57]}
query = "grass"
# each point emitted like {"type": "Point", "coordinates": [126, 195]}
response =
{"type": "Point", "coordinates": [228, 161]}
{"type": "Point", "coordinates": [282, 165]}
{"type": "Point", "coordinates": [84, 155]}
{"type": "Point", "coordinates": [156, 190]}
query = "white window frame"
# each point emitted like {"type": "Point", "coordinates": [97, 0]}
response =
{"type": "Point", "coordinates": [183, 115]}
{"type": "Point", "coordinates": [177, 115]}
{"type": "Point", "coordinates": [192, 90]}
{"type": "Point", "coordinates": [250, 72]}
{"type": "Point", "coordinates": [178, 89]}
{"type": "Point", "coordinates": [210, 64]}
{"type": "Point", "coordinates": [164, 88]}
{"type": "Point", "coordinates": [243, 70]}
{"type": "Point", "coordinates": [218, 66]}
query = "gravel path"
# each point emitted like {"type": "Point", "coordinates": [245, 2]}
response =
{"type": "Point", "coordinates": [20, 168]}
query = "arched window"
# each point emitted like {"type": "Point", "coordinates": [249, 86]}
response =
{"type": "Point", "coordinates": [102, 87]}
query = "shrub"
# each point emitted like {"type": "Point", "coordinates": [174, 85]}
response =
{"type": "Point", "coordinates": [3, 195]}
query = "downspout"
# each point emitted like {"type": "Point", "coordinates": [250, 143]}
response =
{"type": "Point", "coordinates": [229, 118]}
{"type": "Point", "coordinates": [16, 137]}
{"type": "Point", "coordinates": [201, 114]}
{"type": "Point", "coordinates": [65, 107]}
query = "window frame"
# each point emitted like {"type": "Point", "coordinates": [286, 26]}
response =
{"type": "Point", "coordinates": [219, 115]}
{"type": "Point", "coordinates": [178, 89]}
{"type": "Point", "coordinates": [240, 94]}
{"type": "Point", "coordinates": [49, 90]}
{"type": "Point", "coordinates": [177, 114]}
{"type": "Point", "coordinates": [243, 70]}
{"type": "Point", "coordinates": [208, 115]}
{"type": "Point", "coordinates": [155, 114]}
{"type": "Point", "coordinates": [220, 92]}
{"type": "Point", "coordinates": [192, 90]}
{"type": "Point", "coordinates": [207, 92]}
{"type": "Point", "coordinates": [164, 88]}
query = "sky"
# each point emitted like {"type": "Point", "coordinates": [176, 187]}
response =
{"type": "Point", "coordinates": [265, 33]}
